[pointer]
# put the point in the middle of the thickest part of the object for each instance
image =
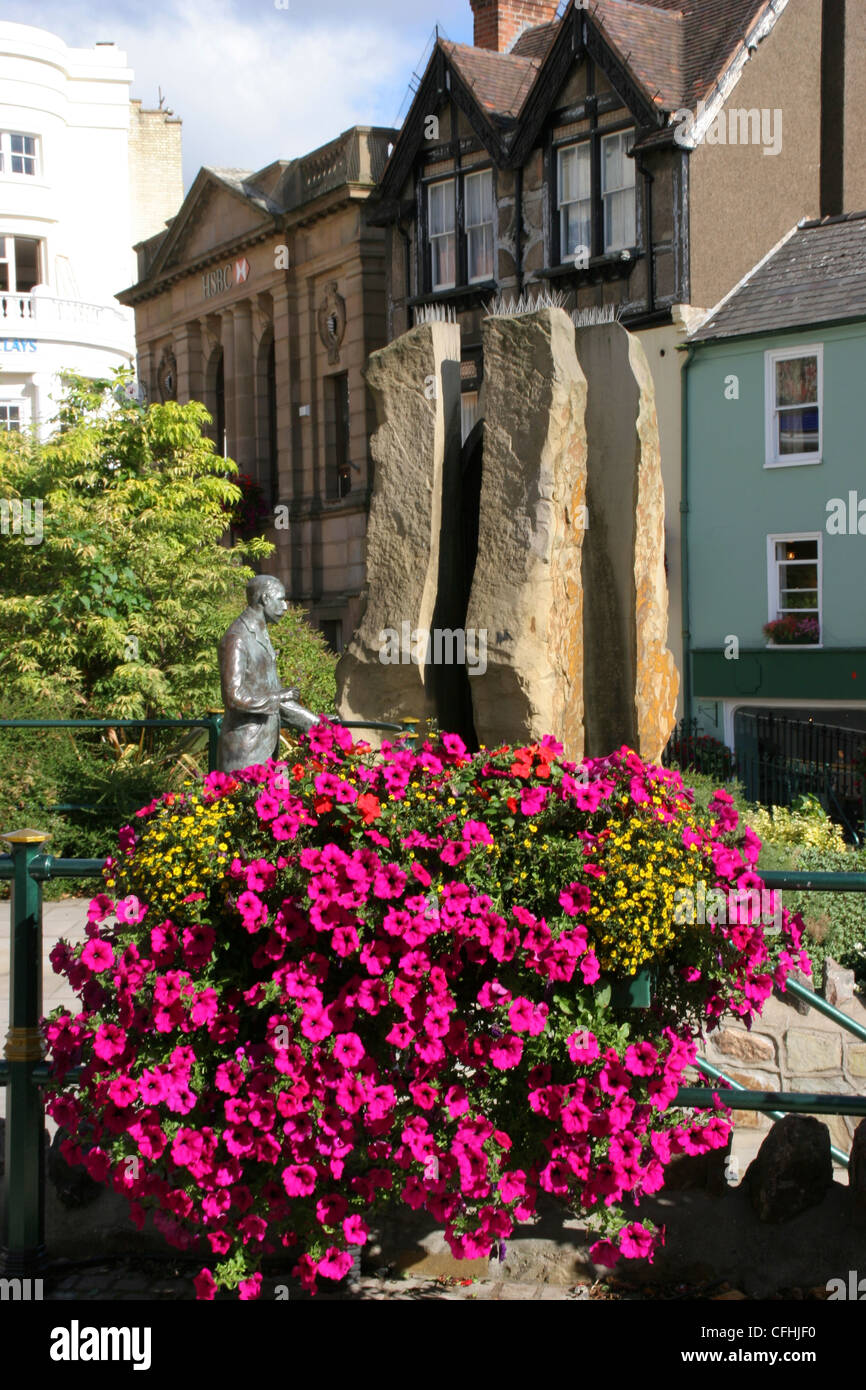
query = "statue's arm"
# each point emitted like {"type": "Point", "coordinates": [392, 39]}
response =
{"type": "Point", "coordinates": [236, 693]}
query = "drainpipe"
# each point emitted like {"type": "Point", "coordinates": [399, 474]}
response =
{"type": "Point", "coordinates": [407, 250]}
{"type": "Point", "coordinates": [684, 531]}
{"type": "Point", "coordinates": [649, 180]}
{"type": "Point", "coordinates": [518, 227]}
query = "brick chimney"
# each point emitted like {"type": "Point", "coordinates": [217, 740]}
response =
{"type": "Point", "coordinates": [499, 22]}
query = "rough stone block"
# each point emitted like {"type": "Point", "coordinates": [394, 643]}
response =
{"type": "Point", "coordinates": [630, 679]}
{"type": "Point", "coordinates": [746, 1047]}
{"type": "Point", "coordinates": [856, 1059]}
{"type": "Point", "coordinates": [526, 590]}
{"type": "Point", "coordinates": [415, 383]}
{"type": "Point", "coordinates": [857, 1175]}
{"type": "Point", "coordinates": [839, 983]}
{"type": "Point", "coordinates": [793, 1169]}
{"type": "Point", "coordinates": [808, 1050]}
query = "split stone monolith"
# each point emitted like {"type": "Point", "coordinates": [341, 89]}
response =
{"type": "Point", "coordinates": [526, 589]}
{"type": "Point", "coordinates": [415, 383]}
{"type": "Point", "coordinates": [630, 679]}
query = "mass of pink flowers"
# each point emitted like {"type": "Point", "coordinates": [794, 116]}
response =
{"type": "Point", "coordinates": [353, 1014]}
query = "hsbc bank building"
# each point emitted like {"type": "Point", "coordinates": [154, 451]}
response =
{"type": "Point", "coordinates": [263, 299]}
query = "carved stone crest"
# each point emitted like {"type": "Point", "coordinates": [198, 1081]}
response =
{"type": "Point", "coordinates": [332, 320]}
{"type": "Point", "coordinates": [166, 376]}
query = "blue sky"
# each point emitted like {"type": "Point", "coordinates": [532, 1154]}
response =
{"type": "Point", "coordinates": [254, 83]}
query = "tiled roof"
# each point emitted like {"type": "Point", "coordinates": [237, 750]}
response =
{"type": "Point", "coordinates": [816, 275]}
{"type": "Point", "coordinates": [500, 81]}
{"type": "Point", "coordinates": [678, 48]}
{"type": "Point", "coordinates": [652, 42]}
{"type": "Point", "coordinates": [536, 42]}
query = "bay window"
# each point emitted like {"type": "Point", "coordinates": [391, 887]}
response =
{"type": "Point", "coordinates": [478, 192]}
{"type": "Point", "coordinates": [442, 222]}
{"type": "Point", "coordinates": [596, 196]}
{"type": "Point", "coordinates": [460, 219]}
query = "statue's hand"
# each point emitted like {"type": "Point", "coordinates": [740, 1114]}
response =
{"type": "Point", "coordinates": [292, 694]}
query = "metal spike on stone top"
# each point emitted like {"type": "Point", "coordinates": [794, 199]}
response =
{"type": "Point", "coordinates": [507, 306]}
{"type": "Point", "coordinates": [595, 314]}
{"type": "Point", "coordinates": [434, 313]}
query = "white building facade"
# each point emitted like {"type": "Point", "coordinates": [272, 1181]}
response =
{"type": "Point", "coordinates": [84, 173]}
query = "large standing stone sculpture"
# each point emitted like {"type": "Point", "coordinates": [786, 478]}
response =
{"type": "Point", "coordinates": [567, 587]}
{"type": "Point", "coordinates": [415, 383]}
{"type": "Point", "coordinates": [526, 589]}
{"type": "Point", "coordinates": [630, 679]}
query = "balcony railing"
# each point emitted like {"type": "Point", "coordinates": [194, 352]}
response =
{"type": "Point", "coordinates": [39, 308]}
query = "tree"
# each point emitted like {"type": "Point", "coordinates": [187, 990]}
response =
{"type": "Point", "coordinates": [118, 608]}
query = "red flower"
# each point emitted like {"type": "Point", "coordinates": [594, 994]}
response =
{"type": "Point", "coordinates": [369, 806]}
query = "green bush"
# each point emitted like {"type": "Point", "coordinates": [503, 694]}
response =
{"type": "Point", "coordinates": [805, 838]}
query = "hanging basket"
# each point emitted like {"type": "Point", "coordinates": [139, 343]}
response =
{"type": "Point", "coordinates": [635, 992]}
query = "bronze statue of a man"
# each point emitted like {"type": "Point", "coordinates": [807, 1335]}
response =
{"type": "Point", "coordinates": [253, 700]}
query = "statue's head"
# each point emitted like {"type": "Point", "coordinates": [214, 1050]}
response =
{"type": "Point", "coordinates": [266, 592]}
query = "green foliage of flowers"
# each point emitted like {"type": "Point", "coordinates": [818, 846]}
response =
{"type": "Point", "coordinates": [804, 837]}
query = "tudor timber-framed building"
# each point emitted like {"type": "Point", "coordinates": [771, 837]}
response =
{"type": "Point", "coordinates": [643, 154]}
{"type": "Point", "coordinates": [263, 299]}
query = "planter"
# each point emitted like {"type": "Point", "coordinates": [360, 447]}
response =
{"type": "Point", "coordinates": [634, 992]}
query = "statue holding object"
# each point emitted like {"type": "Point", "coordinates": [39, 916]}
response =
{"type": "Point", "coordinates": [254, 701]}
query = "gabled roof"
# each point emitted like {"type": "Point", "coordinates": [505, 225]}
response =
{"type": "Point", "coordinates": [816, 274]}
{"type": "Point", "coordinates": [354, 160]}
{"type": "Point", "coordinates": [536, 42]}
{"type": "Point", "coordinates": [500, 82]}
{"type": "Point", "coordinates": [661, 55]}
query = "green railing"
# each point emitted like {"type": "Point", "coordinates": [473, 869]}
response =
{"type": "Point", "coordinates": [210, 722]}
{"type": "Point", "coordinates": [24, 1071]}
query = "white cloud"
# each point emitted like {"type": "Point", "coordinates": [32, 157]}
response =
{"type": "Point", "coordinates": [250, 94]}
{"type": "Point", "coordinates": [253, 83]}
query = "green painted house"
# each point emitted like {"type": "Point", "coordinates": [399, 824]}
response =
{"type": "Point", "coordinates": [774, 507]}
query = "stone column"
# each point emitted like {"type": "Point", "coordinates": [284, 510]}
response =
{"type": "Point", "coordinates": [227, 336]}
{"type": "Point", "coordinates": [415, 383]}
{"type": "Point", "coordinates": [526, 595]}
{"type": "Point", "coordinates": [630, 679]}
{"type": "Point", "coordinates": [190, 362]}
{"type": "Point", "coordinates": [283, 329]}
{"type": "Point", "coordinates": [243, 434]}
{"type": "Point", "coordinates": [146, 372]}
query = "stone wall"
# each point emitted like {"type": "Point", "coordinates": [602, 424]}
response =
{"type": "Point", "coordinates": [792, 1047]}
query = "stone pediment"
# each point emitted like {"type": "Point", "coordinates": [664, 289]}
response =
{"type": "Point", "coordinates": [212, 216]}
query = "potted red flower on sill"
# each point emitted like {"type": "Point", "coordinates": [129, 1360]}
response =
{"type": "Point", "coordinates": [791, 631]}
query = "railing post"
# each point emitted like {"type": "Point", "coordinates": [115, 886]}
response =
{"type": "Point", "coordinates": [22, 1226]}
{"type": "Point", "coordinates": [214, 724]}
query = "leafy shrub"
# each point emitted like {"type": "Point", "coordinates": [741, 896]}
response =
{"type": "Point", "coordinates": [311, 990]}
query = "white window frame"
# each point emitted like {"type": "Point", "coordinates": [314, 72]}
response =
{"type": "Point", "coordinates": [6, 154]}
{"type": "Point", "coordinates": [772, 457]}
{"type": "Point", "coordinates": [606, 193]}
{"type": "Point", "coordinates": [439, 236]}
{"type": "Point", "coordinates": [773, 586]}
{"type": "Point", "coordinates": [12, 262]}
{"type": "Point", "coordinates": [22, 405]}
{"type": "Point", "coordinates": [567, 253]}
{"type": "Point", "coordinates": [477, 226]}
